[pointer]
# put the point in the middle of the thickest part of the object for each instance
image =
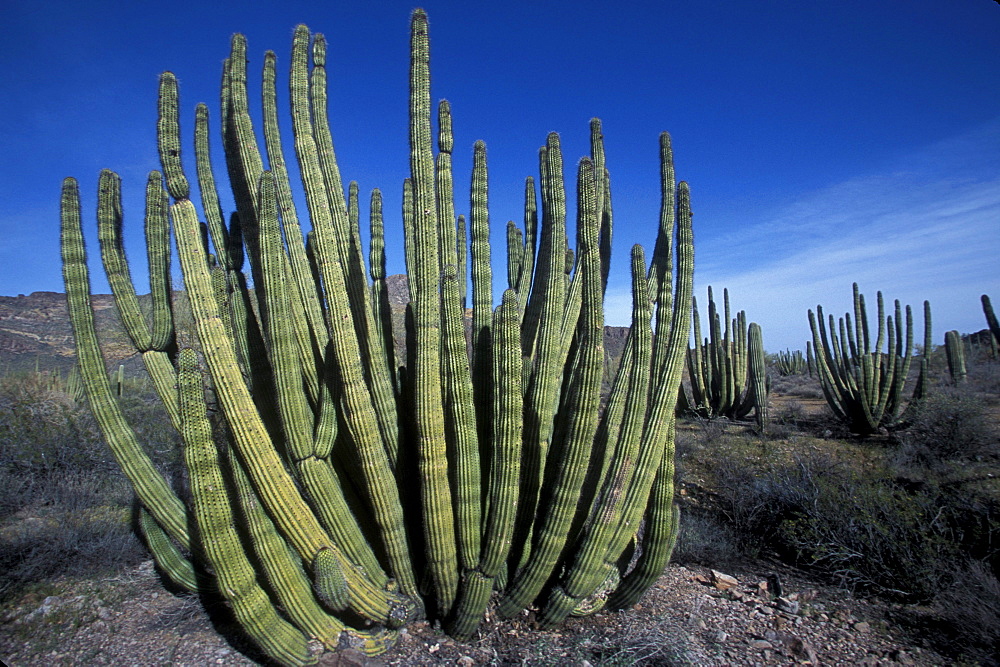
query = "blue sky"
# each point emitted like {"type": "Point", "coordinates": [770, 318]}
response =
{"type": "Point", "coordinates": [825, 143]}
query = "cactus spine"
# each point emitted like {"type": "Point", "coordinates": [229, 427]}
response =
{"type": "Point", "coordinates": [332, 482]}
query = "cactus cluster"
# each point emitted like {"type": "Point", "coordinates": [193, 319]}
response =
{"type": "Point", "coordinates": [794, 362]}
{"type": "Point", "coordinates": [337, 492]}
{"type": "Point", "coordinates": [726, 370]}
{"type": "Point", "coordinates": [863, 385]}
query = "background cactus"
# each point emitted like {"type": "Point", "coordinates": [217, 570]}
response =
{"type": "Point", "coordinates": [726, 370]}
{"type": "Point", "coordinates": [364, 495]}
{"type": "Point", "coordinates": [791, 363]}
{"type": "Point", "coordinates": [862, 384]}
{"type": "Point", "coordinates": [994, 325]}
{"type": "Point", "coordinates": [954, 348]}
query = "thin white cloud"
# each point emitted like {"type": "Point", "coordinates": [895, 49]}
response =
{"type": "Point", "coordinates": [927, 228]}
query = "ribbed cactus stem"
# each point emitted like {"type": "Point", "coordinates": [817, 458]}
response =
{"type": "Point", "coordinates": [955, 352]}
{"type": "Point", "coordinates": [991, 321]}
{"type": "Point", "coordinates": [436, 496]}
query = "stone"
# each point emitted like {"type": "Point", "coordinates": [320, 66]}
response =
{"type": "Point", "coordinates": [761, 644]}
{"type": "Point", "coordinates": [862, 626]}
{"type": "Point", "coordinates": [723, 581]}
{"type": "Point", "coordinates": [786, 605]}
{"type": "Point", "coordinates": [901, 656]}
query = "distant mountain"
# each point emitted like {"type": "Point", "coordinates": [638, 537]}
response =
{"type": "Point", "coordinates": [35, 329]}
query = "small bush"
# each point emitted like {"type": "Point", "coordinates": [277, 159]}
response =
{"type": "Point", "coordinates": [970, 608]}
{"type": "Point", "coordinates": [65, 505]}
{"type": "Point", "coordinates": [705, 541]}
{"type": "Point", "coordinates": [984, 377]}
{"type": "Point", "coordinates": [855, 526]}
{"type": "Point", "coordinates": [949, 424]}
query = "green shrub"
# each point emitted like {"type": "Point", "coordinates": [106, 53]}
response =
{"type": "Point", "coordinates": [65, 505]}
{"type": "Point", "coordinates": [970, 610]}
{"type": "Point", "coordinates": [858, 527]}
{"type": "Point", "coordinates": [949, 424]}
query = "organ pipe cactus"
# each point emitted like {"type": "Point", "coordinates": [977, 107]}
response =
{"type": "Point", "coordinates": [790, 363]}
{"type": "Point", "coordinates": [726, 370]}
{"type": "Point", "coordinates": [993, 323]}
{"type": "Point", "coordinates": [862, 384]}
{"type": "Point", "coordinates": [954, 348]}
{"type": "Point", "coordinates": [336, 493]}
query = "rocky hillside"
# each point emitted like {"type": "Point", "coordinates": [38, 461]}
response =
{"type": "Point", "coordinates": [35, 329]}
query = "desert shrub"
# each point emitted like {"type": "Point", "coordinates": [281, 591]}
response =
{"type": "Point", "coordinates": [61, 540]}
{"type": "Point", "coordinates": [65, 505]}
{"type": "Point", "coordinates": [949, 424]}
{"type": "Point", "coordinates": [858, 527]}
{"type": "Point", "coordinates": [984, 377]}
{"type": "Point", "coordinates": [43, 430]}
{"type": "Point", "coordinates": [802, 386]}
{"type": "Point", "coordinates": [970, 610]}
{"type": "Point", "coordinates": [704, 540]}
{"type": "Point", "coordinates": [792, 413]}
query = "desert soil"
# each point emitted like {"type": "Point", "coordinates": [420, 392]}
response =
{"type": "Point", "coordinates": [131, 619]}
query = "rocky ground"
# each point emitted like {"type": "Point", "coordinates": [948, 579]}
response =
{"type": "Point", "coordinates": [692, 616]}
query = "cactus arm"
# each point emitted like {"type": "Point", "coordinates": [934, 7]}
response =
{"type": "Point", "coordinates": [580, 410]}
{"type": "Point", "coordinates": [460, 422]}
{"type": "Point", "coordinates": [662, 525]}
{"type": "Point", "coordinates": [220, 541]}
{"type": "Point", "coordinates": [757, 375]}
{"type": "Point", "coordinates": [991, 319]}
{"type": "Point", "coordinates": [955, 352]}
{"type": "Point", "coordinates": [482, 275]}
{"type": "Point", "coordinates": [383, 339]}
{"type": "Point", "coordinates": [445, 190]}
{"type": "Point", "coordinates": [359, 413]}
{"type": "Point", "coordinates": [541, 342]}
{"type": "Point", "coordinates": [283, 570]}
{"type": "Point", "coordinates": [515, 254]}
{"type": "Point", "coordinates": [656, 458]}
{"type": "Point", "coordinates": [589, 569]}
{"type": "Point", "coordinates": [109, 218]}
{"type": "Point", "coordinates": [178, 568]}
{"type": "Point", "coordinates": [436, 497]}
{"type": "Point", "coordinates": [152, 489]}
{"type": "Point", "coordinates": [209, 193]}
{"type": "Point", "coordinates": [294, 240]}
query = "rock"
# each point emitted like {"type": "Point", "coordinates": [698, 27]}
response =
{"type": "Point", "coordinates": [722, 581]}
{"type": "Point", "coordinates": [761, 644]}
{"type": "Point", "coordinates": [901, 656]}
{"type": "Point", "coordinates": [348, 657]}
{"type": "Point", "coordinates": [862, 626]}
{"type": "Point", "coordinates": [774, 584]}
{"type": "Point", "coordinates": [800, 649]}
{"type": "Point", "coordinates": [720, 637]}
{"type": "Point", "coordinates": [465, 661]}
{"type": "Point", "coordinates": [786, 605]}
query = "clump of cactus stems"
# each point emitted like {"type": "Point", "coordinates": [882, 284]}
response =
{"type": "Point", "coordinates": [726, 370]}
{"type": "Point", "coordinates": [791, 363]}
{"type": "Point", "coordinates": [863, 385]}
{"type": "Point", "coordinates": [338, 492]}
